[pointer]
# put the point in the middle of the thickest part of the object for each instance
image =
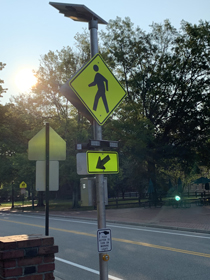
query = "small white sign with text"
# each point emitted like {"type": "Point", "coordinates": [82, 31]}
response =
{"type": "Point", "coordinates": [104, 240]}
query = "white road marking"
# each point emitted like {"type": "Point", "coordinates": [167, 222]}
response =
{"type": "Point", "coordinates": [85, 268]}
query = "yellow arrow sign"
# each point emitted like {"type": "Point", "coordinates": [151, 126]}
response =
{"type": "Point", "coordinates": [98, 89]}
{"type": "Point", "coordinates": [99, 162]}
{"type": "Point", "coordinates": [23, 185]}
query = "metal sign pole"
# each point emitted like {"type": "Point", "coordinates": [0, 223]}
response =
{"type": "Point", "coordinates": [13, 195]}
{"type": "Point", "coordinates": [32, 196]}
{"type": "Point", "coordinates": [47, 182]}
{"type": "Point", "coordinates": [93, 26]}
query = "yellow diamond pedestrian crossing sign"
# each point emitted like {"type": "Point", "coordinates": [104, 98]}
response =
{"type": "Point", "coordinates": [23, 185]}
{"type": "Point", "coordinates": [98, 89]}
{"type": "Point", "coordinates": [100, 162]}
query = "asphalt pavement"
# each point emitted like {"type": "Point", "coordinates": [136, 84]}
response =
{"type": "Point", "coordinates": [194, 219]}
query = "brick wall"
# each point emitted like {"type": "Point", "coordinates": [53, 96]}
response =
{"type": "Point", "coordinates": [27, 257]}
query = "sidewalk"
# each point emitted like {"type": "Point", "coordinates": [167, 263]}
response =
{"type": "Point", "coordinates": [196, 218]}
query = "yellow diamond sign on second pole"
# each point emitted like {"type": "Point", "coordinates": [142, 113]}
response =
{"type": "Point", "coordinates": [98, 89]}
{"type": "Point", "coordinates": [23, 185]}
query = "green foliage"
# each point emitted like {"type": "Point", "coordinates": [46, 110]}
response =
{"type": "Point", "coordinates": [2, 90]}
{"type": "Point", "coordinates": [162, 126]}
{"type": "Point", "coordinates": [45, 104]}
{"type": "Point", "coordinates": [12, 141]}
{"type": "Point", "coordinates": [166, 74]}
{"type": "Point", "coordinates": [83, 47]}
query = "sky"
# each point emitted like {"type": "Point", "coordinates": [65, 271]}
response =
{"type": "Point", "coordinates": [30, 29]}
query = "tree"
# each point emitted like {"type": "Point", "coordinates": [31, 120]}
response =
{"type": "Point", "coordinates": [133, 137]}
{"type": "Point", "coordinates": [55, 69]}
{"type": "Point", "coordinates": [166, 74]}
{"type": "Point", "coordinates": [162, 126]}
{"type": "Point", "coordinates": [15, 167]}
{"type": "Point", "coordinates": [12, 140]}
{"type": "Point", "coordinates": [2, 90]}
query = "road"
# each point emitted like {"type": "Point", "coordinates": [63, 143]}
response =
{"type": "Point", "coordinates": [138, 253]}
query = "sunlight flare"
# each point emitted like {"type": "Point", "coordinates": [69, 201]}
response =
{"type": "Point", "coordinates": [25, 79]}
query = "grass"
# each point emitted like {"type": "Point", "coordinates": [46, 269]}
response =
{"type": "Point", "coordinates": [16, 203]}
{"type": "Point", "coordinates": [66, 205]}
{"type": "Point", "coordinates": [54, 205]}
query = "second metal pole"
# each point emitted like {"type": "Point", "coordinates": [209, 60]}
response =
{"type": "Point", "coordinates": [47, 183]}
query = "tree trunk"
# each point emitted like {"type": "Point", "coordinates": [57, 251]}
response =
{"type": "Point", "coordinates": [152, 173]}
{"type": "Point", "coordinates": [40, 199]}
{"type": "Point", "coordinates": [75, 197]}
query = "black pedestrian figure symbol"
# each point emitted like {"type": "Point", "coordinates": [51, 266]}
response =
{"type": "Point", "coordinates": [100, 81]}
